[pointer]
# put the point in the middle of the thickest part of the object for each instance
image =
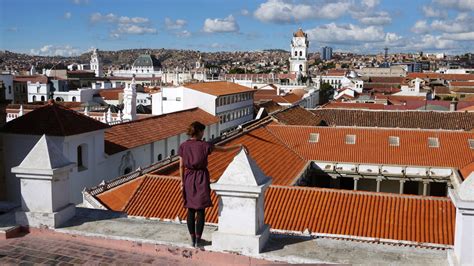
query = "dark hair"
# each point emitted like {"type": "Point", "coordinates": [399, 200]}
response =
{"type": "Point", "coordinates": [195, 128]}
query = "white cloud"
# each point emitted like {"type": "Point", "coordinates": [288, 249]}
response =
{"type": "Point", "coordinates": [347, 33]}
{"type": "Point", "coordinates": [370, 3]}
{"type": "Point", "coordinates": [244, 12]}
{"type": "Point", "coordinates": [175, 24]}
{"type": "Point", "coordinates": [227, 24]}
{"type": "Point", "coordinates": [183, 34]}
{"type": "Point", "coordinates": [124, 24]}
{"type": "Point", "coordinates": [67, 15]}
{"type": "Point", "coordinates": [377, 18]}
{"type": "Point", "coordinates": [457, 4]}
{"type": "Point", "coordinates": [281, 11]}
{"type": "Point", "coordinates": [134, 29]}
{"type": "Point", "coordinates": [79, 2]}
{"type": "Point", "coordinates": [464, 36]}
{"type": "Point", "coordinates": [462, 23]}
{"type": "Point", "coordinates": [421, 27]}
{"type": "Point", "coordinates": [431, 12]}
{"type": "Point", "coordinates": [12, 29]}
{"type": "Point", "coordinates": [55, 50]}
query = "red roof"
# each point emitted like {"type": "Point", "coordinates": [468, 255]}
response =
{"type": "Point", "coordinates": [110, 94]}
{"type": "Point", "coordinates": [271, 95]}
{"type": "Point", "coordinates": [136, 133]}
{"type": "Point", "coordinates": [455, 77]}
{"type": "Point", "coordinates": [371, 106]}
{"type": "Point", "coordinates": [218, 88]}
{"type": "Point", "coordinates": [53, 120]}
{"type": "Point", "coordinates": [461, 83]}
{"type": "Point", "coordinates": [326, 211]}
{"type": "Point", "coordinates": [35, 78]}
{"type": "Point", "coordinates": [372, 145]}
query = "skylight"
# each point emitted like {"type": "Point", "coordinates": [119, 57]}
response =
{"type": "Point", "coordinates": [314, 137]}
{"type": "Point", "coordinates": [350, 139]}
{"type": "Point", "coordinates": [433, 142]}
{"type": "Point", "coordinates": [394, 141]}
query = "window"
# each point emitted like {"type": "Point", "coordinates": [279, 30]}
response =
{"type": "Point", "coordinates": [212, 136]}
{"type": "Point", "coordinates": [42, 98]}
{"type": "Point", "coordinates": [73, 98]}
{"type": "Point", "coordinates": [301, 53]}
{"type": "Point", "coordinates": [296, 53]}
{"type": "Point", "coordinates": [178, 99]}
{"type": "Point", "coordinates": [160, 157]}
{"type": "Point", "coordinates": [314, 137]}
{"type": "Point", "coordinates": [172, 152]}
{"type": "Point", "coordinates": [34, 98]}
{"type": "Point", "coordinates": [9, 89]}
{"type": "Point", "coordinates": [164, 98]}
{"type": "Point", "coordinates": [81, 153]}
{"type": "Point", "coordinates": [394, 141]}
{"type": "Point", "coordinates": [350, 139]}
{"type": "Point", "coordinates": [433, 142]}
{"type": "Point", "coordinates": [471, 144]}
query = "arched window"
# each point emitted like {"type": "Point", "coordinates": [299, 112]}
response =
{"type": "Point", "coordinates": [42, 98]}
{"type": "Point", "coordinates": [172, 152]}
{"type": "Point", "coordinates": [58, 99]}
{"type": "Point", "coordinates": [34, 98]}
{"type": "Point", "coordinates": [160, 157]}
{"type": "Point", "coordinates": [73, 98]}
{"type": "Point", "coordinates": [296, 53]}
{"type": "Point", "coordinates": [127, 170]}
{"type": "Point", "coordinates": [212, 136]}
{"type": "Point", "coordinates": [301, 53]}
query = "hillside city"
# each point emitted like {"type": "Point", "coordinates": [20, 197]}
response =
{"type": "Point", "coordinates": [311, 154]}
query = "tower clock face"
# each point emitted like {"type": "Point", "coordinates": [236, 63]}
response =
{"type": "Point", "coordinates": [299, 42]}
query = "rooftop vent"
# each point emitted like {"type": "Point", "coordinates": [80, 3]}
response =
{"type": "Point", "coordinates": [394, 141]}
{"type": "Point", "coordinates": [350, 139]}
{"type": "Point", "coordinates": [313, 137]}
{"type": "Point", "coordinates": [433, 142]}
{"type": "Point", "coordinates": [471, 144]}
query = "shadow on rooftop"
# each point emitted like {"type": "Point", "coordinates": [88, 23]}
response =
{"type": "Point", "coordinates": [85, 215]}
{"type": "Point", "coordinates": [280, 241]}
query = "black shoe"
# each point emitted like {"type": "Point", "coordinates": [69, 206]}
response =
{"type": "Point", "coordinates": [197, 243]}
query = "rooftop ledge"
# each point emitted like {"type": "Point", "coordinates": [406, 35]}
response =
{"type": "Point", "coordinates": [282, 246]}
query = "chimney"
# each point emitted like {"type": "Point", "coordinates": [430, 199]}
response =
{"type": "Point", "coordinates": [453, 106]}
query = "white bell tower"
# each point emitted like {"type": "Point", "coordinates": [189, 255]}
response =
{"type": "Point", "coordinates": [299, 53]}
{"type": "Point", "coordinates": [130, 101]}
{"type": "Point", "coordinates": [96, 65]}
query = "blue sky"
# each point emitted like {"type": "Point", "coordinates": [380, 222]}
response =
{"type": "Point", "coordinates": [68, 27]}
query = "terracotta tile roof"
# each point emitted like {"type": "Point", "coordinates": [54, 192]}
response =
{"type": "Point", "coordinates": [271, 95]}
{"type": "Point", "coordinates": [386, 80]}
{"type": "Point", "coordinates": [336, 72]}
{"type": "Point", "coordinates": [218, 88]}
{"type": "Point", "coordinates": [53, 120]}
{"type": "Point", "coordinates": [372, 145]}
{"type": "Point", "coordinates": [467, 170]}
{"type": "Point", "coordinates": [297, 116]}
{"type": "Point", "coordinates": [462, 83]}
{"type": "Point", "coordinates": [269, 106]}
{"type": "Point", "coordinates": [399, 98]}
{"type": "Point", "coordinates": [140, 132]}
{"type": "Point", "coordinates": [455, 77]}
{"type": "Point", "coordinates": [463, 90]}
{"type": "Point", "coordinates": [35, 78]}
{"type": "Point", "coordinates": [371, 106]}
{"type": "Point", "coordinates": [389, 119]}
{"type": "Point", "coordinates": [299, 33]}
{"type": "Point", "coordinates": [110, 94]}
{"type": "Point", "coordinates": [259, 142]}
{"type": "Point", "coordinates": [326, 211]}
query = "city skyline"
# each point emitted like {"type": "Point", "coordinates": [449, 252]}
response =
{"type": "Point", "coordinates": [73, 27]}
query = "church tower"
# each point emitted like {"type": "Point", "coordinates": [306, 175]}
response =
{"type": "Point", "coordinates": [130, 101]}
{"type": "Point", "coordinates": [299, 53]}
{"type": "Point", "coordinates": [96, 65]}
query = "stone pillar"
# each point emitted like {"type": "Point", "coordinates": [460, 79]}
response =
{"type": "Point", "coordinates": [425, 187]}
{"type": "Point", "coordinates": [356, 179]}
{"type": "Point", "coordinates": [241, 191]}
{"type": "Point", "coordinates": [463, 199]}
{"type": "Point", "coordinates": [402, 183]}
{"type": "Point", "coordinates": [130, 101]}
{"type": "Point", "coordinates": [379, 179]}
{"type": "Point", "coordinates": [44, 175]}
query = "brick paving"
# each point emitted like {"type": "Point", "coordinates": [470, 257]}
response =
{"type": "Point", "coordinates": [29, 250]}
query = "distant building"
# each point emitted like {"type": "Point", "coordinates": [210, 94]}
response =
{"type": "Point", "coordinates": [326, 53]}
{"type": "Point", "coordinates": [231, 102]}
{"type": "Point", "coordinates": [299, 53]}
{"type": "Point", "coordinates": [96, 64]}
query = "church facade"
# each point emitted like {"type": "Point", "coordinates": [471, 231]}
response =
{"type": "Point", "coordinates": [299, 53]}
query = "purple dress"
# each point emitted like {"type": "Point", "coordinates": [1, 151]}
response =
{"type": "Point", "coordinates": [196, 184]}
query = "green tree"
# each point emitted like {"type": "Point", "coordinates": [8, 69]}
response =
{"type": "Point", "coordinates": [326, 93]}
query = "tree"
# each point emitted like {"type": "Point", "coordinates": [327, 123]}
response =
{"type": "Point", "coordinates": [326, 93]}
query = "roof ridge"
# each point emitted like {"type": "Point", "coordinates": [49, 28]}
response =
{"type": "Point", "coordinates": [132, 196]}
{"type": "Point", "coordinates": [284, 144]}
{"type": "Point", "coordinates": [159, 116]}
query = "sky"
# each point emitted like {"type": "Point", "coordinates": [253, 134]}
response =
{"type": "Point", "coordinates": [71, 27]}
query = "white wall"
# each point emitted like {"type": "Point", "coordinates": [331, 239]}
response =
{"type": "Point", "coordinates": [8, 83]}
{"type": "Point", "coordinates": [37, 89]}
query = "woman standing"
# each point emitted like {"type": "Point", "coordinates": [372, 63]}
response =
{"type": "Point", "coordinates": [196, 189]}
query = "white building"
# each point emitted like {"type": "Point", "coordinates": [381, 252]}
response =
{"type": "Point", "coordinates": [96, 64]}
{"type": "Point", "coordinates": [232, 103]}
{"type": "Point", "coordinates": [98, 150]}
{"type": "Point", "coordinates": [299, 53]}
{"type": "Point", "coordinates": [7, 79]}
{"type": "Point", "coordinates": [145, 66]}
{"type": "Point", "coordinates": [414, 89]}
